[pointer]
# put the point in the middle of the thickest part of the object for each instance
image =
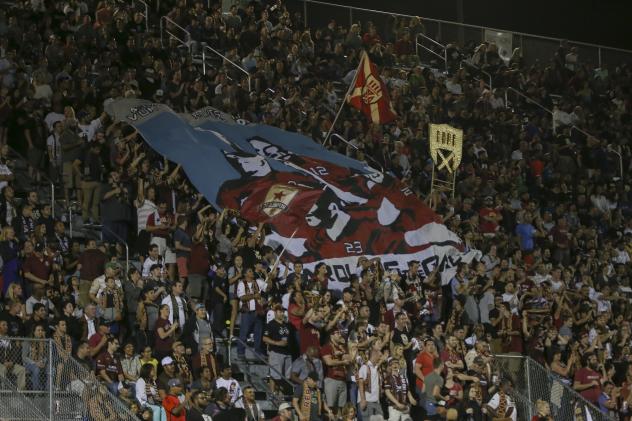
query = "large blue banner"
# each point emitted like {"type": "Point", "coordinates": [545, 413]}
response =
{"type": "Point", "coordinates": [337, 208]}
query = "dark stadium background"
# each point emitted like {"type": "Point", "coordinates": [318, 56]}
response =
{"type": "Point", "coordinates": [602, 22]}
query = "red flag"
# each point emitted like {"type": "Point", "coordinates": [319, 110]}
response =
{"type": "Point", "coordinates": [370, 94]}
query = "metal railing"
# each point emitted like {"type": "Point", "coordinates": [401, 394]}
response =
{"type": "Point", "coordinates": [167, 26]}
{"type": "Point", "coordinates": [534, 47]}
{"type": "Point", "coordinates": [46, 383]}
{"type": "Point", "coordinates": [444, 49]}
{"type": "Point", "coordinates": [118, 237]}
{"type": "Point", "coordinates": [533, 382]}
{"type": "Point", "coordinates": [42, 174]}
{"type": "Point", "coordinates": [144, 14]}
{"type": "Point", "coordinates": [478, 69]}
{"type": "Point", "coordinates": [346, 142]}
{"type": "Point", "coordinates": [531, 101]}
{"type": "Point", "coordinates": [260, 359]}
{"type": "Point", "coordinates": [226, 60]}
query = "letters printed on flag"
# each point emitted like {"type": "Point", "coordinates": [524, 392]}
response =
{"type": "Point", "coordinates": [370, 94]}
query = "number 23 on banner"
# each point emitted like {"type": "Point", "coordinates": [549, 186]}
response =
{"type": "Point", "coordinates": [354, 247]}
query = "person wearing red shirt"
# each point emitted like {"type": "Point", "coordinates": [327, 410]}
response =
{"type": "Point", "coordinates": [336, 359]}
{"type": "Point", "coordinates": [588, 380]}
{"type": "Point", "coordinates": [490, 217]}
{"type": "Point", "coordinates": [309, 333]}
{"type": "Point", "coordinates": [37, 267]}
{"type": "Point", "coordinates": [108, 366]}
{"type": "Point", "coordinates": [424, 362]}
{"type": "Point", "coordinates": [174, 406]}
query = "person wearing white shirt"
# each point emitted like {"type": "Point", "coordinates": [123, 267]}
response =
{"type": "Point", "coordinates": [231, 385]}
{"type": "Point", "coordinates": [89, 130]}
{"type": "Point", "coordinates": [621, 255]}
{"type": "Point", "coordinates": [152, 259]}
{"type": "Point", "coordinates": [502, 404]}
{"type": "Point", "coordinates": [175, 299]}
{"type": "Point", "coordinates": [147, 392]}
{"type": "Point", "coordinates": [370, 387]}
{"type": "Point", "coordinates": [249, 292]}
{"type": "Point", "coordinates": [98, 284]}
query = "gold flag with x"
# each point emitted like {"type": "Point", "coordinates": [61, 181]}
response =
{"type": "Point", "coordinates": [446, 146]}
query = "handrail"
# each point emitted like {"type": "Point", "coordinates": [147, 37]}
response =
{"type": "Point", "coordinates": [43, 175]}
{"type": "Point", "coordinates": [443, 57]}
{"type": "Point", "coordinates": [466, 25]}
{"type": "Point", "coordinates": [146, 15]}
{"type": "Point", "coordinates": [537, 104]}
{"type": "Point", "coordinates": [336, 135]}
{"type": "Point", "coordinates": [164, 28]}
{"type": "Point", "coordinates": [260, 358]}
{"type": "Point", "coordinates": [529, 100]}
{"type": "Point", "coordinates": [489, 76]}
{"type": "Point", "coordinates": [115, 235]}
{"type": "Point", "coordinates": [226, 59]}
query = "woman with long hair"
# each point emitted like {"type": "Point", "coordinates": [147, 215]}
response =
{"type": "Point", "coordinates": [147, 392]}
{"type": "Point", "coordinates": [15, 294]}
{"type": "Point", "coordinates": [561, 369]}
{"type": "Point", "coordinates": [164, 333]}
{"type": "Point", "coordinates": [234, 275]}
{"type": "Point", "coordinates": [35, 356]}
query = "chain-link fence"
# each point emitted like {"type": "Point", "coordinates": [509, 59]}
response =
{"type": "Point", "coordinates": [532, 382]}
{"type": "Point", "coordinates": [40, 380]}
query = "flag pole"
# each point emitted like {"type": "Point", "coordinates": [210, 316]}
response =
{"type": "Point", "coordinates": [278, 260]}
{"type": "Point", "coordinates": [344, 100]}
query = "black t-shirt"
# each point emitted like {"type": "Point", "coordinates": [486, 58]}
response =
{"type": "Point", "coordinates": [249, 255]}
{"type": "Point", "coordinates": [222, 285]}
{"type": "Point", "coordinates": [277, 332]}
{"type": "Point", "coordinates": [194, 414]}
{"type": "Point", "coordinates": [15, 324]}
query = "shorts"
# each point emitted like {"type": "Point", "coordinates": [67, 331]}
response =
{"type": "Point", "coordinates": [335, 393]}
{"type": "Point", "coordinates": [395, 414]}
{"type": "Point", "coordinates": [373, 409]}
{"type": "Point", "coordinates": [183, 266]}
{"type": "Point", "coordinates": [71, 178]}
{"type": "Point", "coordinates": [280, 365]}
{"type": "Point", "coordinates": [168, 256]}
{"type": "Point", "coordinates": [196, 285]}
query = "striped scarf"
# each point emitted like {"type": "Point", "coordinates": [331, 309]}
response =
{"type": "Point", "coordinates": [501, 411]}
{"type": "Point", "coordinates": [181, 363]}
{"type": "Point", "coordinates": [208, 360]}
{"type": "Point", "coordinates": [151, 391]}
{"type": "Point", "coordinates": [38, 350]}
{"type": "Point", "coordinates": [306, 401]}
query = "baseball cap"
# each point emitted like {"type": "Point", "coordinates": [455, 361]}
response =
{"type": "Point", "coordinates": [166, 361]}
{"type": "Point", "coordinates": [174, 382]}
{"type": "Point", "coordinates": [199, 306]}
{"type": "Point", "coordinates": [112, 265]}
{"type": "Point", "coordinates": [155, 266]}
{"type": "Point", "coordinates": [313, 375]}
{"type": "Point", "coordinates": [285, 405]}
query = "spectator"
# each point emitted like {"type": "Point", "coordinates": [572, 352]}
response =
{"type": "Point", "coordinates": [276, 336]}
{"type": "Point", "coordinates": [109, 368]}
{"type": "Point", "coordinates": [174, 407]}
{"type": "Point", "coordinates": [147, 392]}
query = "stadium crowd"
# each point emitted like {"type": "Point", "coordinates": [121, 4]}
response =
{"type": "Point", "coordinates": [544, 203]}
